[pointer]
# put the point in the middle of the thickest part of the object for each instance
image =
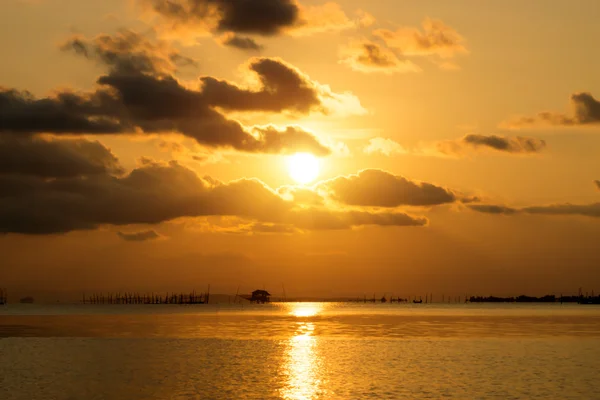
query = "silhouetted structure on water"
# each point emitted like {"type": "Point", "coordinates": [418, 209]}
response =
{"type": "Point", "coordinates": [518, 299]}
{"type": "Point", "coordinates": [137, 298]}
{"type": "Point", "coordinates": [3, 296]}
{"type": "Point", "coordinates": [549, 298]}
{"type": "Point", "coordinates": [260, 297]}
{"type": "Point", "coordinates": [588, 299]}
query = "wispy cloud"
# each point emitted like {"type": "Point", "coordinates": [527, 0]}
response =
{"type": "Point", "coordinates": [367, 56]}
{"type": "Point", "coordinates": [384, 146]}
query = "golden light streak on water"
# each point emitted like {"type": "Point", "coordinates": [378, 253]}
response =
{"type": "Point", "coordinates": [305, 309]}
{"type": "Point", "coordinates": [302, 365]}
{"type": "Point", "coordinates": [302, 362]}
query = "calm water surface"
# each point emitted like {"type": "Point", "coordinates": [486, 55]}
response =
{"type": "Point", "coordinates": [300, 351]}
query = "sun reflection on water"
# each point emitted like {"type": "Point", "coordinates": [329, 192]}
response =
{"type": "Point", "coordinates": [302, 362]}
{"type": "Point", "coordinates": [305, 309]}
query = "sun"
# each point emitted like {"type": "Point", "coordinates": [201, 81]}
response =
{"type": "Point", "coordinates": [303, 167]}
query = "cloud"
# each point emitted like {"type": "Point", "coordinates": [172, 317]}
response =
{"type": "Point", "coordinates": [586, 111]}
{"type": "Point", "coordinates": [587, 210]}
{"type": "Point", "coordinates": [129, 52]}
{"type": "Point", "coordinates": [26, 154]}
{"type": "Point", "coordinates": [436, 38]}
{"type": "Point", "coordinates": [496, 143]}
{"type": "Point", "coordinates": [290, 140]}
{"type": "Point", "coordinates": [140, 95]}
{"type": "Point", "coordinates": [237, 226]}
{"type": "Point", "coordinates": [322, 219]}
{"type": "Point", "coordinates": [366, 56]}
{"type": "Point", "coordinates": [437, 41]}
{"type": "Point", "coordinates": [325, 17]}
{"type": "Point", "coordinates": [492, 209]}
{"type": "Point", "coordinates": [300, 195]}
{"type": "Point", "coordinates": [194, 18]}
{"type": "Point", "coordinates": [377, 188]}
{"type": "Point", "coordinates": [240, 42]}
{"type": "Point", "coordinates": [272, 228]}
{"type": "Point", "coordinates": [282, 87]}
{"type": "Point", "coordinates": [239, 16]}
{"type": "Point", "coordinates": [156, 192]}
{"type": "Point", "coordinates": [384, 146]}
{"type": "Point", "coordinates": [66, 112]}
{"type": "Point", "coordinates": [141, 236]}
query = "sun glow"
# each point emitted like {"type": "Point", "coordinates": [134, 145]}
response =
{"type": "Point", "coordinates": [303, 167]}
{"type": "Point", "coordinates": [305, 309]}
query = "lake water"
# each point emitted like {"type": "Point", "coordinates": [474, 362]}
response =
{"type": "Point", "coordinates": [300, 351]}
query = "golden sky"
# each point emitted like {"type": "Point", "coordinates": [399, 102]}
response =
{"type": "Point", "coordinates": [336, 147]}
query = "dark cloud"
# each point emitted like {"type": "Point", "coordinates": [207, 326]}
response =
{"type": "Point", "coordinates": [587, 108]}
{"type": "Point", "coordinates": [501, 143]}
{"type": "Point", "coordinates": [154, 193]}
{"type": "Point", "coordinates": [66, 112]}
{"type": "Point", "coordinates": [265, 17]}
{"type": "Point", "coordinates": [588, 210]}
{"type": "Point", "coordinates": [284, 87]}
{"type": "Point", "coordinates": [506, 144]}
{"type": "Point", "coordinates": [377, 188]}
{"type": "Point", "coordinates": [55, 158]}
{"type": "Point", "coordinates": [139, 95]}
{"type": "Point", "coordinates": [241, 42]}
{"type": "Point", "coordinates": [367, 56]}
{"type": "Point", "coordinates": [262, 17]}
{"type": "Point", "coordinates": [141, 236]}
{"type": "Point", "coordinates": [248, 17]}
{"type": "Point", "coordinates": [476, 142]}
{"type": "Point", "coordinates": [597, 183]}
{"type": "Point", "coordinates": [586, 111]}
{"type": "Point", "coordinates": [493, 209]}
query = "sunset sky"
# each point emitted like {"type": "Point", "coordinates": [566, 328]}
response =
{"type": "Point", "coordinates": [445, 146]}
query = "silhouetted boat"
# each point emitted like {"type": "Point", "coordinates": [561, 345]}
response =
{"type": "Point", "coordinates": [418, 301]}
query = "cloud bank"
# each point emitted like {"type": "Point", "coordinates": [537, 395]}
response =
{"type": "Point", "coordinates": [140, 95]}
{"type": "Point", "coordinates": [157, 192]}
